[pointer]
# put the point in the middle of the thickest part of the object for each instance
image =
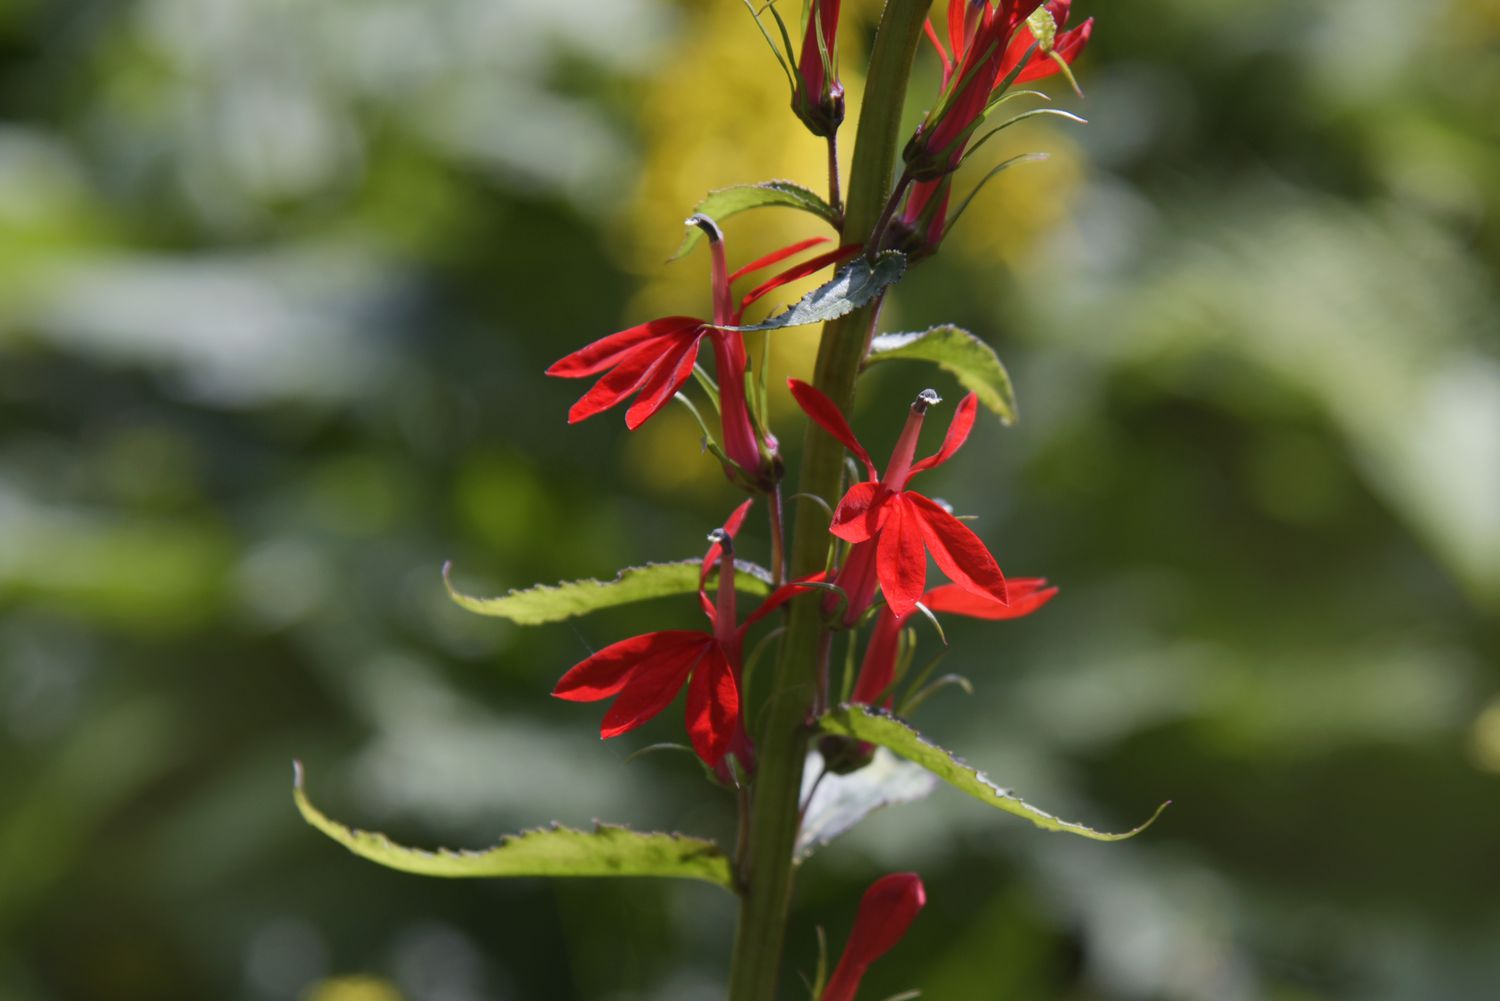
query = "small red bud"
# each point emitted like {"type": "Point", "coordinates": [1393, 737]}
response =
{"type": "Point", "coordinates": [886, 911]}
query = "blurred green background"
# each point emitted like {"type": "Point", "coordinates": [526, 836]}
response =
{"type": "Point", "coordinates": [278, 280]}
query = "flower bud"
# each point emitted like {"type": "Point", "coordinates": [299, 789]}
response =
{"type": "Point", "coordinates": [885, 912]}
{"type": "Point", "coordinates": [819, 100]}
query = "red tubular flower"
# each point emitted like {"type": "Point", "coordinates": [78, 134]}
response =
{"type": "Point", "coordinates": [878, 669]}
{"type": "Point", "coordinates": [978, 33]}
{"type": "Point", "coordinates": [1034, 51]}
{"type": "Point", "coordinates": [985, 49]}
{"type": "Point", "coordinates": [885, 912]}
{"type": "Point", "coordinates": [653, 360]}
{"type": "Point", "coordinates": [644, 673]}
{"type": "Point", "coordinates": [819, 100]}
{"type": "Point", "coordinates": [893, 529]}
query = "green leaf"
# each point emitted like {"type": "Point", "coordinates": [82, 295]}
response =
{"type": "Point", "coordinates": [554, 851]}
{"type": "Point", "coordinates": [971, 361]}
{"type": "Point", "coordinates": [556, 602]}
{"type": "Point", "coordinates": [725, 202]}
{"type": "Point", "coordinates": [841, 801]}
{"type": "Point", "coordinates": [886, 730]}
{"type": "Point", "coordinates": [853, 285]}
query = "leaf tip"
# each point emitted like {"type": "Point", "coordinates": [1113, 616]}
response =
{"type": "Point", "coordinates": [1149, 820]}
{"type": "Point", "coordinates": [447, 573]}
{"type": "Point", "coordinates": [297, 775]}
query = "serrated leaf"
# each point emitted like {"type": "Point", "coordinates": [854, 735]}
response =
{"type": "Point", "coordinates": [725, 202]}
{"type": "Point", "coordinates": [553, 851]}
{"type": "Point", "coordinates": [851, 287]}
{"type": "Point", "coordinates": [840, 802]}
{"type": "Point", "coordinates": [970, 360]}
{"type": "Point", "coordinates": [881, 728]}
{"type": "Point", "coordinates": [556, 602]}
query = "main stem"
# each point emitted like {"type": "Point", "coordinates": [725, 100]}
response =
{"type": "Point", "coordinates": [783, 742]}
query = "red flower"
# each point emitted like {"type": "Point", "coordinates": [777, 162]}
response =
{"type": "Point", "coordinates": [1055, 49]}
{"type": "Point", "coordinates": [978, 33]}
{"type": "Point", "coordinates": [892, 528]}
{"type": "Point", "coordinates": [644, 673]}
{"type": "Point", "coordinates": [819, 100]}
{"type": "Point", "coordinates": [885, 912]}
{"type": "Point", "coordinates": [878, 669]}
{"type": "Point", "coordinates": [653, 360]}
{"type": "Point", "coordinates": [985, 48]}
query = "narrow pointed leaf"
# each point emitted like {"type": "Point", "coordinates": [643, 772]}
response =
{"type": "Point", "coordinates": [556, 602]}
{"type": "Point", "coordinates": [853, 285]}
{"type": "Point", "coordinates": [971, 361]}
{"type": "Point", "coordinates": [553, 851]}
{"type": "Point", "coordinates": [840, 802]}
{"type": "Point", "coordinates": [877, 727]}
{"type": "Point", "coordinates": [725, 202]}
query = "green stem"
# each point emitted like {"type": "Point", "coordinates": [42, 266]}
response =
{"type": "Point", "coordinates": [835, 200]}
{"type": "Point", "coordinates": [783, 742]}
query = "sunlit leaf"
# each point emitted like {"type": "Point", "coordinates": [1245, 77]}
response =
{"type": "Point", "coordinates": [725, 202]}
{"type": "Point", "coordinates": [555, 602]}
{"type": "Point", "coordinates": [840, 802]}
{"type": "Point", "coordinates": [851, 287]}
{"type": "Point", "coordinates": [971, 361]}
{"type": "Point", "coordinates": [607, 850]}
{"type": "Point", "coordinates": [881, 728]}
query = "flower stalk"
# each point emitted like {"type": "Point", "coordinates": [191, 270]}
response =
{"type": "Point", "coordinates": [784, 739]}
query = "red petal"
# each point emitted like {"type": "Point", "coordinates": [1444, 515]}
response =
{"type": "Point", "coordinates": [1026, 595]}
{"type": "Point", "coordinates": [781, 596]}
{"type": "Point", "coordinates": [668, 379]}
{"type": "Point", "coordinates": [713, 707]}
{"type": "Point", "coordinates": [778, 255]}
{"type": "Point", "coordinates": [609, 670]}
{"type": "Point", "coordinates": [826, 415]}
{"type": "Point", "coordinates": [1015, 50]}
{"type": "Point", "coordinates": [607, 351]}
{"type": "Point", "coordinates": [958, 433]}
{"type": "Point", "coordinates": [900, 560]}
{"type": "Point", "coordinates": [956, 12]}
{"type": "Point", "coordinates": [878, 668]}
{"type": "Point", "coordinates": [632, 372]}
{"type": "Point", "coordinates": [861, 513]}
{"type": "Point", "coordinates": [1068, 45]}
{"type": "Point", "coordinates": [800, 271]}
{"type": "Point", "coordinates": [959, 553]}
{"type": "Point", "coordinates": [942, 53]}
{"type": "Point", "coordinates": [732, 527]}
{"type": "Point", "coordinates": [653, 686]}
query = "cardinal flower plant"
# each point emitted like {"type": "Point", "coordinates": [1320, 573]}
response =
{"type": "Point", "coordinates": [850, 572]}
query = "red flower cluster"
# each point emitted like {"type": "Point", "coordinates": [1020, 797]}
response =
{"type": "Point", "coordinates": [893, 529]}
{"type": "Point", "coordinates": [988, 53]}
{"type": "Point", "coordinates": [643, 674]}
{"type": "Point", "coordinates": [653, 360]}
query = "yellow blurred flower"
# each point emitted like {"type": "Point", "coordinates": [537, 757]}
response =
{"type": "Point", "coordinates": [358, 987]}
